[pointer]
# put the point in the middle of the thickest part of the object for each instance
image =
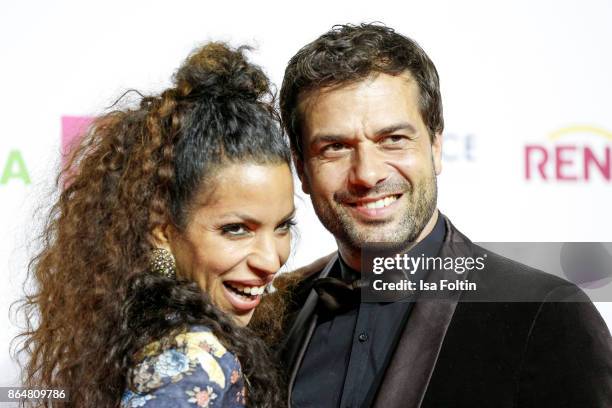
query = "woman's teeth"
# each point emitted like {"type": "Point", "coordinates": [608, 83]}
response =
{"type": "Point", "coordinates": [383, 202]}
{"type": "Point", "coordinates": [249, 291]}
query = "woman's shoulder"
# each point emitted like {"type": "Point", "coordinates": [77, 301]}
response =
{"type": "Point", "coordinates": [191, 369]}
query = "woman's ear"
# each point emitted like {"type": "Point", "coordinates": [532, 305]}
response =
{"type": "Point", "coordinates": [161, 236]}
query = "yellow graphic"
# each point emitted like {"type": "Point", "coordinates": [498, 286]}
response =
{"type": "Point", "coordinates": [580, 129]}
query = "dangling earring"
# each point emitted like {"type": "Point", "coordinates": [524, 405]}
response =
{"type": "Point", "coordinates": [162, 263]}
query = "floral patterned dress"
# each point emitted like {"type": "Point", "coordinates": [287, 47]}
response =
{"type": "Point", "coordinates": [193, 370]}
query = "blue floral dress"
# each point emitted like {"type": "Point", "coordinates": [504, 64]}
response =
{"type": "Point", "coordinates": [193, 370]}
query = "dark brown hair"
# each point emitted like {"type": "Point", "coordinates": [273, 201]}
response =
{"type": "Point", "coordinates": [95, 302]}
{"type": "Point", "coordinates": [349, 53]}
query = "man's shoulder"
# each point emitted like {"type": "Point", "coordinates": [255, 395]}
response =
{"type": "Point", "coordinates": [509, 280]}
{"type": "Point", "coordinates": [518, 322]}
{"type": "Point", "coordinates": [504, 279]}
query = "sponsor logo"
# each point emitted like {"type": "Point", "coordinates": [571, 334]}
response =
{"type": "Point", "coordinates": [14, 169]}
{"type": "Point", "coordinates": [573, 154]}
{"type": "Point", "coordinates": [73, 127]}
{"type": "Point", "coordinates": [459, 147]}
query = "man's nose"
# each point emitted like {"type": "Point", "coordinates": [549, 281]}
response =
{"type": "Point", "coordinates": [264, 258]}
{"type": "Point", "coordinates": [368, 167]}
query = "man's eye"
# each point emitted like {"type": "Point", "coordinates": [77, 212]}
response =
{"type": "Point", "coordinates": [234, 229]}
{"type": "Point", "coordinates": [334, 147]}
{"type": "Point", "coordinates": [393, 139]}
{"type": "Point", "coordinates": [286, 226]}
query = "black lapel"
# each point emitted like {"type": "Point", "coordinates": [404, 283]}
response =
{"type": "Point", "coordinates": [296, 342]}
{"type": "Point", "coordinates": [405, 382]}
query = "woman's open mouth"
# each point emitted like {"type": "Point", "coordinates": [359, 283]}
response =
{"type": "Point", "coordinates": [243, 297]}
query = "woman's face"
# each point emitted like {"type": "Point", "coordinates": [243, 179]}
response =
{"type": "Point", "coordinates": [237, 235]}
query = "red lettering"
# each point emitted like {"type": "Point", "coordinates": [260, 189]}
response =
{"type": "Point", "coordinates": [529, 150]}
{"type": "Point", "coordinates": [605, 167]}
{"type": "Point", "coordinates": [561, 162]}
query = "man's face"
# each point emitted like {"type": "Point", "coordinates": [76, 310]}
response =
{"type": "Point", "coordinates": [369, 164]}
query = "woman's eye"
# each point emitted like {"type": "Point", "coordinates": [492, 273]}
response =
{"type": "Point", "coordinates": [234, 229]}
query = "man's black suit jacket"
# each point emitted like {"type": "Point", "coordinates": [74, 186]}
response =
{"type": "Point", "coordinates": [463, 352]}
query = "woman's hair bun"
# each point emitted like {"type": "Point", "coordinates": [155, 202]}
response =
{"type": "Point", "coordinates": [216, 69]}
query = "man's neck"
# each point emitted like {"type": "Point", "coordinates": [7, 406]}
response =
{"type": "Point", "coordinates": [352, 256]}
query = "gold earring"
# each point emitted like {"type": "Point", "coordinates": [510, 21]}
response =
{"type": "Point", "coordinates": [162, 263]}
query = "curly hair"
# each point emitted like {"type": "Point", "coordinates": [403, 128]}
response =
{"type": "Point", "coordinates": [96, 303]}
{"type": "Point", "coordinates": [350, 53]}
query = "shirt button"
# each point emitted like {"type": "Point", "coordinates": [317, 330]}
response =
{"type": "Point", "coordinates": [363, 337]}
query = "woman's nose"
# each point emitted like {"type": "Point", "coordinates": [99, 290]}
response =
{"type": "Point", "coordinates": [265, 258]}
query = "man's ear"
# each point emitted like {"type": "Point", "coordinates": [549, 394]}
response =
{"type": "Point", "coordinates": [299, 168]}
{"type": "Point", "coordinates": [436, 151]}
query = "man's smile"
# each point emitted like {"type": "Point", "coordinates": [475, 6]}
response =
{"type": "Point", "coordinates": [374, 207]}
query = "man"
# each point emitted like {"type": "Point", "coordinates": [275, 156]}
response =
{"type": "Point", "coordinates": [362, 108]}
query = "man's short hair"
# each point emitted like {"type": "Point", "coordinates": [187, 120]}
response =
{"type": "Point", "coordinates": [350, 53]}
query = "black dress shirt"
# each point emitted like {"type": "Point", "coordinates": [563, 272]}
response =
{"type": "Point", "coordinates": [349, 352]}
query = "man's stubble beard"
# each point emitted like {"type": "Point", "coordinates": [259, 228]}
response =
{"type": "Point", "coordinates": [353, 234]}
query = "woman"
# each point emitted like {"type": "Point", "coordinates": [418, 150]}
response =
{"type": "Point", "coordinates": [174, 218]}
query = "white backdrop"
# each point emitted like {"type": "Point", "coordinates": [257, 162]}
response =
{"type": "Point", "coordinates": [513, 74]}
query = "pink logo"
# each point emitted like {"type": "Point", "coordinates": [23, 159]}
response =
{"type": "Point", "coordinates": [73, 128]}
{"type": "Point", "coordinates": [577, 160]}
